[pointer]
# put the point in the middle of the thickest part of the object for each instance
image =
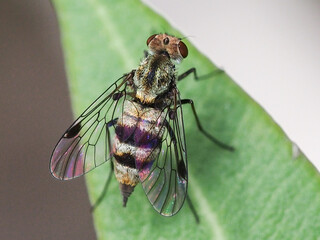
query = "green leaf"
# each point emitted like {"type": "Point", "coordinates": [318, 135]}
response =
{"type": "Point", "coordinates": [266, 189]}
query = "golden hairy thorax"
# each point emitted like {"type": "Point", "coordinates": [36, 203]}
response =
{"type": "Point", "coordinates": [154, 77]}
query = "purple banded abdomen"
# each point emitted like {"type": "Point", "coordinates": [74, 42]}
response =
{"type": "Point", "coordinates": [137, 142]}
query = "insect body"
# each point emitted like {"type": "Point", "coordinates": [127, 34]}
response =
{"type": "Point", "coordinates": [137, 122]}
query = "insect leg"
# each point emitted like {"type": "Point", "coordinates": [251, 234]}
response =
{"type": "Point", "coordinates": [213, 139]}
{"type": "Point", "coordinates": [105, 188]}
{"type": "Point", "coordinates": [194, 71]}
{"type": "Point", "coordinates": [193, 210]}
{"type": "Point", "coordinates": [104, 191]}
{"type": "Point", "coordinates": [182, 171]}
{"type": "Point", "coordinates": [187, 73]}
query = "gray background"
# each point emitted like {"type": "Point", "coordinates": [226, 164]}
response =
{"type": "Point", "coordinates": [35, 110]}
{"type": "Point", "coordinates": [271, 48]}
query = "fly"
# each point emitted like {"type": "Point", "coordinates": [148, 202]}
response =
{"type": "Point", "coordinates": [137, 124]}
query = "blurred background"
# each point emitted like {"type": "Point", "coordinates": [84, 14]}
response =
{"type": "Point", "coordinates": [271, 49]}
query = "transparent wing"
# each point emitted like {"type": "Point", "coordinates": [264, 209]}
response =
{"type": "Point", "coordinates": [164, 176]}
{"type": "Point", "coordinates": [86, 144]}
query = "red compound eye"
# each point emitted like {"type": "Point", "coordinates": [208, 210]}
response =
{"type": "Point", "coordinates": [151, 38]}
{"type": "Point", "coordinates": [183, 49]}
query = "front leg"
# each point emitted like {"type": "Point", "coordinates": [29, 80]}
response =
{"type": "Point", "coordinates": [208, 135]}
{"type": "Point", "coordinates": [195, 75]}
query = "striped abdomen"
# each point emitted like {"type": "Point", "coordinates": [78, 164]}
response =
{"type": "Point", "coordinates": [137, 142]}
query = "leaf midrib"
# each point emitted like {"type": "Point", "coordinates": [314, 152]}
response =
{"type": "Point", "coordinates": [211, 219]}
{"type": "Point", "coordinates": [110, 29]}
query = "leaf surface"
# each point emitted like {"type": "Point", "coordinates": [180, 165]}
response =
{"type": "Point", "coordinates": [266, 189]}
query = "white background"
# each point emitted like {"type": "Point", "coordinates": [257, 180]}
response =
{"type": "Point", "coordinates": [270, 48]}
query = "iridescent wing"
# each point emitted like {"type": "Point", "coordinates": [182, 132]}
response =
{"type": "Point", "coordinates": [164, 176]}
{"type": "Point", "coordinates": [86, 143]}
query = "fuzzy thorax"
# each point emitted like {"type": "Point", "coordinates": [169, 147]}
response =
{"type": "Point", "coordinates": [154, 77]}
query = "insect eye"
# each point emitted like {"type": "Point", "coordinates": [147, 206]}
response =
{"type": "Point", "coordinates": [151, 38]}
{"type": "Point", "coordinates": [166, 41]}
{"type": "Point", "coordinates": [183, 49]}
